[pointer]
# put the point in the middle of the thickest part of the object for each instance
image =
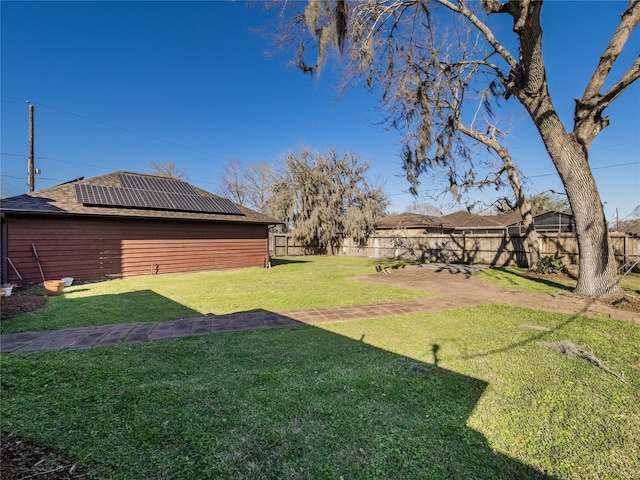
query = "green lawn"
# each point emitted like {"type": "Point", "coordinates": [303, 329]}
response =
{"type": "Point", "coordinates": [457, 394]}
{"type": "Point", "coordinates": [513, 277]}
{"type": "Point", "coordinates": [461, 394]}
{"type": "Point", "coordinates": [292, 283]}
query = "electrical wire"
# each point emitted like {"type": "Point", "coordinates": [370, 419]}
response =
{"type": "Point", "coordinates": [592, 168]}
{"type": "Point", "coordinates": [117, 127]}
{"type": "Point", "coordinates": [133, 132]}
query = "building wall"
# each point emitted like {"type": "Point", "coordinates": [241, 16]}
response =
{"type": "Point", "coordinates": [88, 248]}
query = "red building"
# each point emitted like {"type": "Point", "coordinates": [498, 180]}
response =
{"type": "Point", "coordinates": [123, 224]}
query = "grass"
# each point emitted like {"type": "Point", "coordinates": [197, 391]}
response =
{"type": "Point", "coordinates": [458, 394]}
{"type": "Point", "coordinates": [301, 282]}
{"type": "Point", "coordinates": [513, 277]}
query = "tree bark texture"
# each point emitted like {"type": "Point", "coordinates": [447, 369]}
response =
{"type": "Point", "coordinates": [598, 276]}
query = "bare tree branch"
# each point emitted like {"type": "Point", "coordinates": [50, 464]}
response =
{"type": "Point", "coordinates": [430, 76]}
{"type": "Point", "coordinates": [629, 20]}
{"type": "Point", "coordinates": [482, 27]}
{"type": "Point", "coordinates": [588, 119]}
{"type": "Point", "coordinates": [167, 169]}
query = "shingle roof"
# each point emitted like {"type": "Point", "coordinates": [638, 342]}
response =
{"type": "Point", "coordinates": [506, 219]}
{"type": "Point", "coordinates": [61, 200]}
{"type": "Point", "coordinates": [464, 219]}
{"type": "Point", "coordinates": [411, 220]}
{"type": "Point", "coordinates": [514, 217]}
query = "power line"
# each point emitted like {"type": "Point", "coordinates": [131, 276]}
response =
{"type": "Point", "coordinates": [55, 160]}
{"type": "Point", "coordinates": [592, 168]}
{"type": "Point", "coordinates": [117, 127]}
{"type": "Point", "coordinates": [603, 147]}
{"type": "Point", "coordinates": [12, 176]}
{"type": "Point", "coordinates": [532, 176]}
{"type": "Point", "coordinates": [39, 178]}
{"type": "Point", "coordinates": [633, 212]}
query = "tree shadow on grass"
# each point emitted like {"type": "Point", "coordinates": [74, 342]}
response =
{"type": "Point", "coordinates": [282, 402]}
{"type": "Point", "coordinates": [543, 281]}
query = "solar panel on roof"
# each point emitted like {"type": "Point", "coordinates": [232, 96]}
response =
{"type": "Point", "coordinates": [155, 184]}
{"type": "Point", "coordinates": [158, 200]}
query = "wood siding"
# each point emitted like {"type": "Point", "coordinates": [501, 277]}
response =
{"type": "Point", "coordinates": [89, 249]}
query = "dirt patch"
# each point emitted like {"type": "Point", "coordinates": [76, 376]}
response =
{"type": "Point", "coordinates": [456, 288]}
{"type": "Point", "coordinates": [21, 303]}
{"type": "Point", "coordinates": [628, 304]}
{"type": "Point", "coordinates": [22, 458]}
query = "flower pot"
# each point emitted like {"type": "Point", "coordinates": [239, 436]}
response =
{"type": "Point", "coordinates": [7, 291]}
{"type": "Point", "coordinates": [54, 287]}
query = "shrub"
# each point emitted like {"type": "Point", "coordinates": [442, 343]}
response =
{"type": "Point", "coordinates": [551, 264]}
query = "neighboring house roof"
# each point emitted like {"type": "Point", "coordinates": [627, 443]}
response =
{"type": "Point", "coordinates": [513, 218]}
{"type": "Point", "coordinates": [506, 219]}
{"type": "Point", "coordinates": [464, 219]}
{"type": "Point", "coordinates": [126, 194]}
{"type": "Point", "coordinates": [411, 220]}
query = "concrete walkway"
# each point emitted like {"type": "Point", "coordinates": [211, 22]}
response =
{"type": "Point", "coordinates": [104, 335]}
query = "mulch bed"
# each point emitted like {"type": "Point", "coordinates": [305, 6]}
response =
{"type": "Point", "coordinates": [22, 458]}
{"type": "Point", "coordinates": [21, 303]}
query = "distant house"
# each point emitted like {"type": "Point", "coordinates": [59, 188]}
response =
{"type": "Point", "coordinates": [123, 224]}
{"type": "Point", "coordinates": [510, 223]}
{"type": "Point", "coordinates": [412, 223]}
{"type": "Point", "coordinates": [544, 222]}
{"type": "Point", "coordinates": [468, 223]}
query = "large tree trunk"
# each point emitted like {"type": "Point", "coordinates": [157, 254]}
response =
{"type": "Point", "coordinates": [598, 275]}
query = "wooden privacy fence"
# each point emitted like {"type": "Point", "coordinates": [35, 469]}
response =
{"type": "Point", "coordinates": [486, 249]}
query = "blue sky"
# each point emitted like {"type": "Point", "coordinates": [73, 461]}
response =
{"type": "Point", "coordinates": [118, 85]}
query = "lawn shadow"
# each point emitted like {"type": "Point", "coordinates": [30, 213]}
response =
{"type": "Point", "coordinates": [430, 407]}
{"type": "Point", "coordinates": [72, 312]}
{"type": "Point", "coordinates": [277, 261]}
{"type": "Point", "coordinates": [365, 412]}
{"type": "Point", "coordinates": [410, 406]}
{"type": "Point", "coordinates": [543, 281]}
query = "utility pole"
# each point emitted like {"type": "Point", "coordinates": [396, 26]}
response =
{"type": "Point", "coordinates": [32, 171]}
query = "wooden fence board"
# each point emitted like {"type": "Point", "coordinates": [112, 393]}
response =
{"type": "Point", "coordinates": [488, 249]}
